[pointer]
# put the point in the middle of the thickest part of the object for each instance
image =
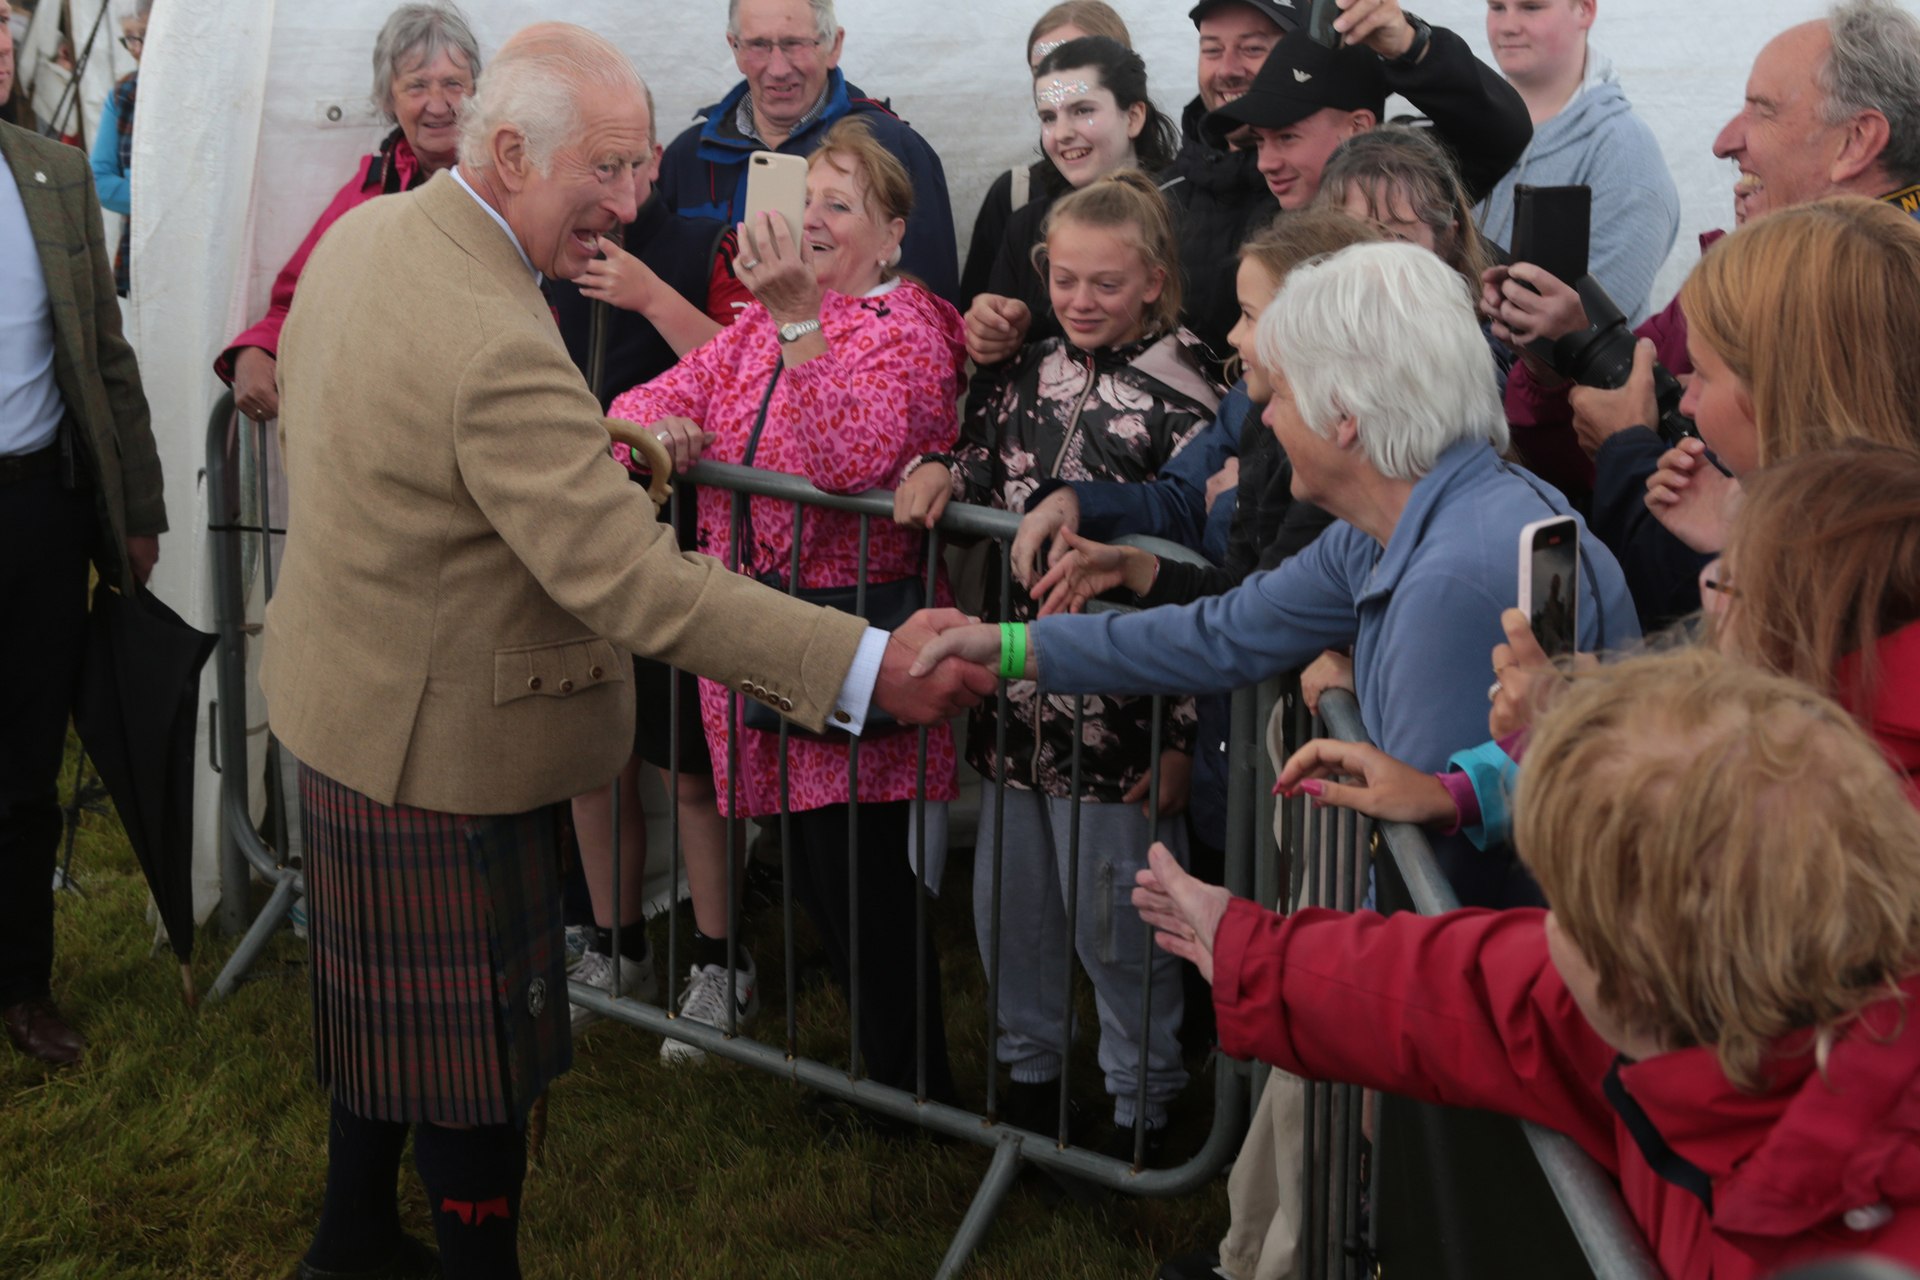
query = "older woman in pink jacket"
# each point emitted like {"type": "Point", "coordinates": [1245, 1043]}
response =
{"type": "Point", "coordinates": [842, 373]}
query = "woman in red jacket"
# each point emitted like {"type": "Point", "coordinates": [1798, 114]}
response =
{"type": "Point", "coordinates": [1718, 1007]}
{"type": "Point", "coordinates": [425, 65]}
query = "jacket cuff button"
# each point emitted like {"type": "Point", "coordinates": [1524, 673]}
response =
{"type": "Point", "coordinates": [844, 717]}
{"type": "Point", "coordinates": [594, 673]}
{"type": "Point", "coordinates": [566, 686]}
{"type": "Point", "coordinates": [533, 683]}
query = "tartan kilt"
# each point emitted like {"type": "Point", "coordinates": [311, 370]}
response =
{"type": "Point", "coordinates": [438, 971]}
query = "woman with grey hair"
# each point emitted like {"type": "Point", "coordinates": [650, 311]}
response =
{"type": "Point", "coordinates": [425, 66]}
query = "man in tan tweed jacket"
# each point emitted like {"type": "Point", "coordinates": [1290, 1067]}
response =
{"type": "Point", "coordinates": [466, 570]}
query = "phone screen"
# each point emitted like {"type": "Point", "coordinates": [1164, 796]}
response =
{"type": "Point", "coordinates": [1552, 571]}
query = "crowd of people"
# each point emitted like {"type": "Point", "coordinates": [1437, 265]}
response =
{"type": "Point", "coordinates": [1276, 327]}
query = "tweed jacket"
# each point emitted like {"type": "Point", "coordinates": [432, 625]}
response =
{"type": "Point", "coordinates": [467, 567]}
{"type": "Point", "coordinates": [92, 364]}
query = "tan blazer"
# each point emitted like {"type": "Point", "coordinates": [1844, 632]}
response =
{"type": "Point", "coordinates": [466, 565]}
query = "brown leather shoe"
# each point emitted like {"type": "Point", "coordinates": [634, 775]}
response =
{"type": "Point", "coordinates": [37, 1030]}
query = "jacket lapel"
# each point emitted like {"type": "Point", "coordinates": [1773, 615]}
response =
{"type": "Point", "coordinates": [461, 218]}
{"type": "Point", "coordinates": [60, 243]}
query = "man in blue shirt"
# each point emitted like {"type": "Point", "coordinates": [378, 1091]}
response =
{"type": "Point", "coordinates": [79, 482]}
{"type": "Point", "coordinates": [793, 92]}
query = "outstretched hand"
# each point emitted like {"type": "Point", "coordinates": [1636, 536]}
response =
{"type": "Point", "coordinates": [1085, 569]}
{"type": "Point", "coordinates": [1183, 912]}
{"type": "Point", "coordinates": [995, 327]}
{"type": "Point", "coordinates": [972, 642]}
{"type": "Point", "coordinates": [1385, 788]}
{"type": "Point", "coordinates": [915, 688]}
{"type": "Point", "coordinates": [1058, 512]}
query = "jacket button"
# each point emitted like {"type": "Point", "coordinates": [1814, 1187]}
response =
{"type": "Point", "coordinates": [595, 673]}
{"type": "Point", "coordinates": [566, 686]}
{"type": "Point", "coordinates": [534, 684]}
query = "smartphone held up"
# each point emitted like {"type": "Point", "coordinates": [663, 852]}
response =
{"type": "Point", "coordinates": [1550, 583]}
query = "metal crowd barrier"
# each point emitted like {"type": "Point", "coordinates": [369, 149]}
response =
{"type": "Point", "coordinates": [1330, 862]}
{"type": "Point", "coordinates": [1325, 862]}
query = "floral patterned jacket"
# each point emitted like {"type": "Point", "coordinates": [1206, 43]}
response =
{"type": "Point", "coordinates": [1117, 413]}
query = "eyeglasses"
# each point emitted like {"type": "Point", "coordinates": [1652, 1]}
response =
{"type": "Point", "coordinates": [133, 43]}
{"type": "Point", "coordinates": [792, 48]}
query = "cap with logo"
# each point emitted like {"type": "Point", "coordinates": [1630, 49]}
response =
{"type": "Point", "coordinates": [1284, 13]}
{"type": "Point", "coordinates": [1302, 76]}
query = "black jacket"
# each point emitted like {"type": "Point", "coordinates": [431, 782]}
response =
{"type": "Point", "coordinates": [1218, 198]}
{"type": "Point", "coordinates": [1481, 118]}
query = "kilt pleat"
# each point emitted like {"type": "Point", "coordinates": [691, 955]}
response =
{"type": "Point", "coordinates": [439, 992]}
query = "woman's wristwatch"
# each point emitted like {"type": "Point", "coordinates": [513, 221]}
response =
{"type": "Point", "coordinates": [796, 330]}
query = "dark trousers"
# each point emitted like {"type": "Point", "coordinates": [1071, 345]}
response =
{"type": "Point", "coordinates": [45, 534]}
{"type": "Point", "coordinates": [886, 972]}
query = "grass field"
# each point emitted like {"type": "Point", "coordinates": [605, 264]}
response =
{"type": "Point", "coordinates": [191, 1144]}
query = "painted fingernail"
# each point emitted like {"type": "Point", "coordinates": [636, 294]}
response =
{"type": "Point", "coordinates": [1313, 787]}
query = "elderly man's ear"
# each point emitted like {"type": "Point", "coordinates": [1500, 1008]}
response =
{"type": "Point", "coordinates": [510, 160]}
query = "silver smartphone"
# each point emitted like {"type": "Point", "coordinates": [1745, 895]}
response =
{"type": "Point", "coordinates": [776, 184]}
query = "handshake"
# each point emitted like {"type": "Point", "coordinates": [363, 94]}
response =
{"type": "Point", "coordinates": [937, 664]}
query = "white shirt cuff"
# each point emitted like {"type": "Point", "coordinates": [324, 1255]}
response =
{"type": "Point", "coordinates": [856, 694]}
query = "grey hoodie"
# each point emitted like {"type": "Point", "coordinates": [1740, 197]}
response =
{"type": "Point", "coordinates": [1597, 141]}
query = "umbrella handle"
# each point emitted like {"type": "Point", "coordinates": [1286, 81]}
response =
{"type": "Point", "coordinates": [647, 445]}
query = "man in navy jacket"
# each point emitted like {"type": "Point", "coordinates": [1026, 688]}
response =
{"type": "Point", "coordinates": [793, 92]}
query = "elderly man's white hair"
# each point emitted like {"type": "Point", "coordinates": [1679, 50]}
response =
{"type": "Point", "coordinates": [536, 84]}
{"type": "Point", "coordinates": [1386, 334]}
{"type": "Point", "coordinates": [824, 23]}
{"type": "Point", "coordinates": [1874, 65]}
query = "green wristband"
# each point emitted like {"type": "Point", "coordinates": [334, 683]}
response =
{"type": "Point", "coordinates": [1006, 649]}
{"type": "Point", "coordinates": [1014, 664]}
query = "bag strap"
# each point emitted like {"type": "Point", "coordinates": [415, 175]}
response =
{"type": "Point", "coordinates": [1021, 189]}
{"type": "Point", "coordinates": [742, 524]}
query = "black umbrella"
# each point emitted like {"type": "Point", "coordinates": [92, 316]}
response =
{"type": "Point", "coordinates": [139, 688]}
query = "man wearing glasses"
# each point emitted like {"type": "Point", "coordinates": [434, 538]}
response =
{"type": "Point", "coordinates": [789, 52]}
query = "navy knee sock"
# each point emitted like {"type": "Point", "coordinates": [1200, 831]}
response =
{"type": "Point", "coordinates": [473, 1179]}
{"type": "Point", "coordinates": [360, 1220]}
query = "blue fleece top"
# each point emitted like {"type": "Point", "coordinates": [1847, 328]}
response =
{"type": "Point", "coordinates": [704, 174]}
{"type": "Point", "coordinates": [1422, 614]}
{"type": "Point", "coordinates": [1172, 505]}
{"type": "Point", "coordinates": [110, 181]}
{"type": "Point", "coordinates": [1598, 142]}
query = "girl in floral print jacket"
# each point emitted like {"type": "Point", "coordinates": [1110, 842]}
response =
{"type": "Point", "coordinates": [1113, 399]}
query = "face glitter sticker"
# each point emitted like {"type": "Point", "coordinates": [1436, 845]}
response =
{"type": "Point", "coordinates": [1059, 92]}
{"type": "Point", "coordinates": [1044, 48]}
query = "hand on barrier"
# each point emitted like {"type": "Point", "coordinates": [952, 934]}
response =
{"type": "Point", "coordinates": [1083, 570]}
{"type": "Point", "coordinates": [1222, 482]}
{"type": "Point", "coordinates": [619, 279]}
{"type": "Point", "coordinates": [683, 439]}
{"type": "Point", "coordinates": [996, 327]}
{"type": "Point", "coordinates": [1599, 413]}
{"type": "Point", "coordinates": [1330, 670]}
{"type": "Point", "coordinates": [1183, 912]}
{"type": "Point", "coordinates": [917, 689]}
{"type": "Point", "coordinates": [1520, 315]}
{"type": "Point", "coordinates": [255, 391]}
{"type": "Point", "coordinates": [1525, 679]}
{"type": "Point", "coordinates": [1376, 784]}
{"type": "Point", "coordinates": [1691, 498]}
{"type": "Point", "coordinates": [923, 496]}
{"type": "Point", "coordinates": [975, 643]}
{"type": "Point", "coordinates": [1058, 512]}
{"type": "Point", "coordinates": [1176, 786]}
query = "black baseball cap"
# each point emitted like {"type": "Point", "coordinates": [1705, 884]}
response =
{"type": "Point", "coordinates": [1302, 76]}
{"type": "Point", "coordinates": [1284, 13]}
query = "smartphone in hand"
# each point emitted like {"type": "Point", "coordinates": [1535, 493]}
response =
{"type": "Point", "coordinates": [1320, 16]}
{"type": "Point", "coordinates": [776, 184]}
{"type": "Point", "coordinates": [1550, 583]}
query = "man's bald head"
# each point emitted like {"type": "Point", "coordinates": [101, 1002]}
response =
{"type": "Point", "coordinates": [539, 85]}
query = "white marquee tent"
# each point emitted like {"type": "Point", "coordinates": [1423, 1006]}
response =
{"type": "Point", "coordinates": [253, 112]}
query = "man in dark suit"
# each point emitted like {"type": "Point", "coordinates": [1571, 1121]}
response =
{"type": "Point", "coordinates": [79, 482]}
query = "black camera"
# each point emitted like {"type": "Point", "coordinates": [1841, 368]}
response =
{"type": "Point", "coordinates": [1550, 230]}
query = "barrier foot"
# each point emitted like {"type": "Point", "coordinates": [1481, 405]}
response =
{"type": "Point", "coordinates": [255, 942]}
{"type": "Point", "coordinates": [986, 1203]}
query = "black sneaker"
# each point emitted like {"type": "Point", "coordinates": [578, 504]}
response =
{"type": "Point", "coordinates": [1119, 1145]}
{"type": "Point", "coordinates": [1035, 1107]}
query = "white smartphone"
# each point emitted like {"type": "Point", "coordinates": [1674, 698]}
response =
{"type": "Point", "coordinates": [776, 184]}
{"type": "Point", "coordinates": [1550, 583]}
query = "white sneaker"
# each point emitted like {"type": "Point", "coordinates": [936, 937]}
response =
{"type": "Point", "coordinates": [705, 1000]}
{"type": "Point", "coordinates": [637, 981]}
